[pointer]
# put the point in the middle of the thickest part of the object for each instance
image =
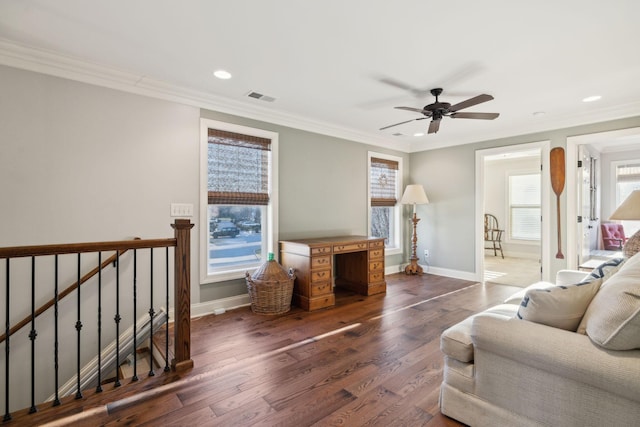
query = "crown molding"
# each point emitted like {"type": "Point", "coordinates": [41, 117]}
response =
{"type": "Point", "coordinates": [54, 64]}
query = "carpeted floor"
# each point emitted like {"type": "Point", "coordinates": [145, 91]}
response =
{"type": "Point", "coordinates": [511, 271]}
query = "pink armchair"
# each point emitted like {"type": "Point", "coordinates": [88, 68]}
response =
{"type": "Point", "coordinates": [613, 236]}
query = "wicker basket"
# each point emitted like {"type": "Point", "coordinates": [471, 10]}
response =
{"type": "Point", "coordinates": [270, 288]}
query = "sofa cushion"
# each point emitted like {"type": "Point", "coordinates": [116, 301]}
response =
{"type": "Point", "coordinates": [612, 320]}
{"type": "Point", "coordinates": [605, 270]}
{"type": "Point", "coordinates": [558, 306]}
{"type": "Point", "coordinates": [456, 342]}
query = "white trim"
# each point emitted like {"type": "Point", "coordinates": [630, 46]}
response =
{"type": "Point", "coordinates": [55, 64]}
{"type": "Point", "coordinates": [271, 244]}
{"type": "Point", "coordinates": [544, 147]}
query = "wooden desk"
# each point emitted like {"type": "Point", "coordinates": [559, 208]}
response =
{"type": "Point", "coordinates": [352, 262]}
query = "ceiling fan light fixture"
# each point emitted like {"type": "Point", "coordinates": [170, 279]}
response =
{"type": "Point", "coordinates": [591, 98]}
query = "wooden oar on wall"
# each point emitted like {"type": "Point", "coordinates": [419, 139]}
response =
{"type": "Point", "coordinates": [557, 171]}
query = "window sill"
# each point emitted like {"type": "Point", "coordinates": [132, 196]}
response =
{"type": "Point", "coordinates": [225, 276]}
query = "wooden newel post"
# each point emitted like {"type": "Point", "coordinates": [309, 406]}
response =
{"type": "Point", "coordinates": [182, 296]}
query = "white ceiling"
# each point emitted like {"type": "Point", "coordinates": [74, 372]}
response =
{"type": "Point", "coordinates": [326, 62]}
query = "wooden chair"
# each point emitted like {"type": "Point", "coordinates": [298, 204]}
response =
{"type": "Point", "coordinates": [493, 235]}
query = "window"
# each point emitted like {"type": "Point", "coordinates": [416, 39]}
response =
{"type": "Point", "coordinates": [627, 179]}
{"type": "Point", "coordinates": [238, 177]}
{"type": "Point", "coordinates": [524, 207]}
{"type": "Point", "coordinates": [384, 192]}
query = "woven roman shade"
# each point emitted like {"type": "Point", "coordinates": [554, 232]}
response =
{"type": "Point", "coordinates": [238, 169]}
{"type": "Point", "coordinates": [384, 174]}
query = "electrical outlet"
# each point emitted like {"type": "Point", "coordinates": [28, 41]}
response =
{"type": "Point", "coordinates": [426, 253]}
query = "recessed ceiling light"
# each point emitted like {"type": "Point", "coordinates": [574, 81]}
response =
{"type": "Point", "coordinates": [222, 74]}
{"type": "Point", "coordinates": [591, 98]}
{"type": "Point", "coordinates": [418, 134]}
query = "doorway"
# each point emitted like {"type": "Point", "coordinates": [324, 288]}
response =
{"type": "Point", "coordinates": [605, 148]}
{"type": "Point", "coordinates": [511, 186]}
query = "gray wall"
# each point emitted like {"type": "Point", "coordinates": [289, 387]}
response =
{"type": "Point", "coordinates": [448, 175]}
{"type": "Point", "coordinates": [84, 163]}
{"type": "Point", "coordinates": [322, 189]}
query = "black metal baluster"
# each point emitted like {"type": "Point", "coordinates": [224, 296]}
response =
{"type": "Point", "coordinates": [117, 319]}
{"type": "Point", "coordinates": [166, 329]}
{"type": "Point", "coordinates": [32, 336]}
{"type": "Point", "coordinates": [78, 328]}
{"type": "Point", "coordinates": [151, 316]}
{"type": "Point", "coordinates": [99, 386]}
{"type": "Point", "coordinates": [56, 400]}
{"type": "Point", "coordinates": [135, 315]}
{"type": "Point", "coordinates": [7, 415]}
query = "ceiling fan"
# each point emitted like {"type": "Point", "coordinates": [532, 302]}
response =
{"type": "Point", "coordinates": [438, 110]}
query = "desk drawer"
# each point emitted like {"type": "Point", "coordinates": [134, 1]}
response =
{"type": "Point", "coordinates": [320, 261]}
{"type": "Point", "coordinates": [321, 289]}
{"type": "Point", "coordinates": [377, 276]}
{"type": "Point", "coordinates": [376, 266]}
{"type": "Point", "coordinates": [321, 250]}
{"type": "Point", "coordinates": [351, 247]}
{"type": "Point", "coordinates": [376, 253]}
{"type": "Point", "coordinates": [320, 276]}
{"type": "Point", "coordinates": [377, 244]}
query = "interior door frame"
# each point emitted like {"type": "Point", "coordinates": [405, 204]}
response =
{"type": "Point", "coordinates": [572, 185]}
{"type": "Point", "coordinates": [545, 248]}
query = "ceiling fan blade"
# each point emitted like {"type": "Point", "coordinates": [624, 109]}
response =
{"type": "Point", "coordinates": [417, 92]}
{"type": "Point", "coordinates": [434, 126]}
{"type": "Point", "coordinates": [401, 123]}
{"type": "Point", "coordinates": [417, 110]}
{"type": "Point", "coordinates": [471, 102]}
{"type": "Point", "coordinates": [483, 116]}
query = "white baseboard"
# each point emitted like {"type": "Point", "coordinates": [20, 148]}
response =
{"type": "Point", "coordinates": [217, 306]}
{"type": "Point", "coordinates": [221, 305]}
{"type": "Point", "coordinates": [455, 274]}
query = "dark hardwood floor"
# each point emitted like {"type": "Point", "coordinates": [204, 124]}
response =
{"type": "Point", "coordinates": [367, 361]}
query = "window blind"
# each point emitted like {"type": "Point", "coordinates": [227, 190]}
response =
{"type": "Point", "coordinates": [628, 173]}
{"type": "Point", "coordinates": [238, 169]}
{"type": "Point", "coordinates": [524, 201]}
{"type": "Point", "coordinates": [383, 182]}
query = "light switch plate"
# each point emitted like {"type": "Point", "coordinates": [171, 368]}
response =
{"type": "Point", "coordinates": [181, 210]}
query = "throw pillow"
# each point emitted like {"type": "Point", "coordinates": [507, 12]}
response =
{"type": "Point", "coordinates": [613, 317]}
{"type": "Point", "coordinates": [603, 271]}
{"type": "Point", "coordinates": [558, 306]}
{"type": "Point", "coordinates": [606, 269]}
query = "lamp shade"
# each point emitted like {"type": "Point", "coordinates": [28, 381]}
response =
{"type": "Point", "coordinates": [414, 195]}
{"type": "Point", "coordinates": [629, 209]}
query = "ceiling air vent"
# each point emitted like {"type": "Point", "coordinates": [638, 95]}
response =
{"type": "Point", "coordinates": [397, 134]}
{"type": "Point", "coordinates": [260, 96]}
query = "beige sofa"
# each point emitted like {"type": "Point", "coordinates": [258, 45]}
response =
{"type": "Point", "coordinates": [503, 370]}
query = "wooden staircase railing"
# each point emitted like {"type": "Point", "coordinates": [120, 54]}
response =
{"type": "Point", "coordinates": [44, 307]}
{"type": "Point", "coordinates": [182, 289]}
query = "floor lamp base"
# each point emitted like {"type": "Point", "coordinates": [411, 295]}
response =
{"type": "Point", "coordinates": [413, 267]}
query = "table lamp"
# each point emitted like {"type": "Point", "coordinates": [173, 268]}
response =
{"type": "Point", "coordinates": [414, 195]}
{"type": "Point", "coordinates": [629, 210]}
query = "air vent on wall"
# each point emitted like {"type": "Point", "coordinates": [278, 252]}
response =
{"type": "Point", "coordinates": [260, 96]}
